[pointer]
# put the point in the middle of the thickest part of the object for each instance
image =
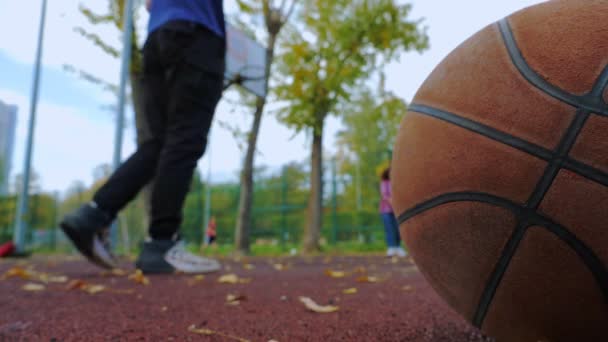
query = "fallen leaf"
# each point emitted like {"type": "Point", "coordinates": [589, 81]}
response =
{"type": "Point", "coordinates": [248, 266]}
{"type": "Point", "coordinates": [228, 279]}
{"type": "Point", "coordinates": [139, 278]}
{"type": "Point", "coordinates": [232, 299]}
{"type": "Point", "coordinates": [368, 279]}
{"type": "Point", "coordinates": [19, 272]}
{"type": "Point", "coordinates": [199, 277]}
{"type": "Point", "coordinates": [209, 332]}
{"type": "Point", "coordinates": [326, 260]}
{"type": "Point", "coordinates": [279, 267]}
{"type": "Point", "coordinates": [311, 305]}
{"type": "Point", "coordinates": [76, 284]}
{"type": "Point", "coordinates": [407, 288]}
{"type": "Point", "coordinates": [352, 290]}
{"type": "Point", "coordinates": [33, 287]}
{"type": "Point", "coordinates": [335, 274]}
{"type": "Point", "coordinates": [93, 289]}
{"type": "Point", "coordinates": [58, 279]}
{"type": "Point", "coordinates": [164, 308]}
{"type": "Point", "coordinates": [122, 291]}
{"type": "Point", "coordinates": [360, 269]}
{"type": "Point", "coordinates": [394, 259]}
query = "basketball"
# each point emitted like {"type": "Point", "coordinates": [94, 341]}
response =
{"type": "Point", "coordinates": [500, 175]}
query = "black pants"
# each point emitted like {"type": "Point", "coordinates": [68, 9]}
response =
{"type": "Point", "coordinates": [183, 72]}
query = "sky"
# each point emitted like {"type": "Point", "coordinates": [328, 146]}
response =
{"type": "Point", "coordinates": [75, 131]}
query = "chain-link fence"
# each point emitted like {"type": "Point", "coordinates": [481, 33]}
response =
{"type": "Point", "coordinates": [279, 212]}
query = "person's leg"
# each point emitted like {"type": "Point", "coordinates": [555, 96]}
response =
{"type": "Point", "coordinates": [194, 59]}
{"type": "Point", "coordinates": [194, 91]}
{"type": "Point", "coordinates": [388, 231]}
{"type": "Point", "coordinates": [88, 227]}
{"type": "Point", "coordinates": [397, 236]}
{"type": "Point", "coordinates": [132, 175]}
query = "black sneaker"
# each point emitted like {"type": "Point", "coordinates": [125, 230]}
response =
{"type": "Point", "coordinates": [170, 256]}
{"type": "Point", "coordinates": [89, 228]}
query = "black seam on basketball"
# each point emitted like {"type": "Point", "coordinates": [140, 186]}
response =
{"type": "Point", "coordinates": [487, 131]}
{"type": "Point", "coordinates": [600, 85]}
{"type": "Point", "coordinates": [564, 147]}
{"type": "Point", "coordinates": [526, 217]}
{"type": "Point", "coordinates": [586, 171]}
{"type": "Point", "coordinates": [498, 273]}
{"type": "Point", "coordinates": [463, 196]}
{"type": "Point", "coordinates": [589, 102]}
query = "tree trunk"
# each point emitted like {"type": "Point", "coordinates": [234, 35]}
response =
{"type": "Point", "coordinates": [312, 232]}
{"type": "Point", "coordinates": [243, 222]}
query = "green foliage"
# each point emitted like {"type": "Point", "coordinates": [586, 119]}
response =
{"type": "Point", "coordinates": [370, 128]}
{"type": "Point", "coordinates": [338, 45]}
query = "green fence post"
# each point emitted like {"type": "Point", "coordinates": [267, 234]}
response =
{"type": "Point", "coordinates": [284, 187]}
{"type": "Point", "coordinates": [334, 202]}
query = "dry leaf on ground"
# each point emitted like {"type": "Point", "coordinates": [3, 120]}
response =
{"type": "Point", "coordinates": [352, 290]}
{"type": "Point", "coordinates": [335, 274]}
{"type": "Point", "coordinates": [368, 279]}
{"type": "Point", "coordinates": [78, 284]}
{"type": "Point", "coordinates": [209, 332]}
{"type": "Point", "coordinates": [235, 299]}
{"type": "Point", "coordinates": [228, 279]}
{"type": "Point", "coordinates": [139, 278]}
{"type": "Point", "coordinates": [93, 289]}
{"type": "Point", "coordinates": [248, 266]}
{"type": "Point", "coordinates": [279, 267]}
{"type": "Point", "coordinates": [311, 305]}
{"type": "Point", "coordinates": [33, 287]}
{"type": "Point", "coordinates": [407, 288]}
{"type": "Point", "coordinates": [19, 272]}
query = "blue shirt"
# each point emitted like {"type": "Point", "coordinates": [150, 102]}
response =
{"type": "Point", "coordinates": [209, 13]}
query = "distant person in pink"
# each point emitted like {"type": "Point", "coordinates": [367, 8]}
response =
{"type": "Point", "coordinates": [391, 228]}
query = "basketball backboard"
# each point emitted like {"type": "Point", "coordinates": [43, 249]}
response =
{"type": "Point", "coordinates": [245, 62]}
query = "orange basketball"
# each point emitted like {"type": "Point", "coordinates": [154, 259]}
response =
{"type": "Point", "coordinates": [500, 175]}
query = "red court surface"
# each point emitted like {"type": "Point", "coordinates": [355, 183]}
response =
{"type": "Point", "coordinates": [392, 303]}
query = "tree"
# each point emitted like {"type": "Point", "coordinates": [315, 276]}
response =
{"type": "Point", "coordinates": [338, 45]}
{"type": "Point", "coordinates": [370, 127]}
{"type": "Point", "coordinates": [275, 16]}
{"type": "Point", "coordinates": [34, 183]}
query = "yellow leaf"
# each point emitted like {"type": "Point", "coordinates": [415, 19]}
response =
{"type": "Point", "coordinates": [33, 287]}
{"type": "Point", "coordinates": [368, 279]}
{"type": "Point", "coordinates": [139, 277]}
{"type": "Point", "coordinates": [93, 289]}
{"type": "Point", "coordinates": [279, 267]}
{"type": "Point", "coordinates": [18, 272]}
{"type": "Point", "coordinates": [232, 299]}
{"type": "Point", "coordinates": [199, 277]}
{"type": "Point", "coordinates": [58, 279]}
{"type": "Point", "coordinates": [335, 274]}
{"type": "Point", "coordinates": [209, 332]}
{"type": "Point", "coordinates": [311, 305]}
{"type": "Point", "coordinates": [228, 279]}
{"type": "Point", "coordinates": [248, 266]}
{"type": "Point", "coordinates": [352, 290]}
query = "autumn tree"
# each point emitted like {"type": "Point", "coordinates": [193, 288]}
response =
{"type": "Point", "coordinates": [338, 45]}
{"type": "Point", "coordinates": [274, 16]}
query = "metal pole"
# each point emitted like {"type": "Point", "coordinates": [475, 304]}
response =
{"type": "Point", "coordinates": [208, 185]}
{"type": "Point", "coordinates": [20, 224]}
{"type": "Point", "coordinates": [120, 117]}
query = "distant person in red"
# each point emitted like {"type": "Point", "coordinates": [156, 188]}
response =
{"type": "Point", "coordinates": [211, 234]}
{"type": "Point", "coordinates": [391, 228]}
{"type": "Point", "coordinates": [183, 76]}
